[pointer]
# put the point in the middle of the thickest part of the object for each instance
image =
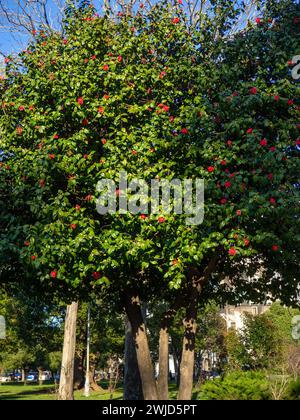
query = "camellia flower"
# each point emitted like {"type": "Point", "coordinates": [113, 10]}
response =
{"type": "Point", "coordinates": [232, 252]}
{"type": "Point", "coordinates": [27, 243]}
{"type": "Point", "coordinates": [246, 242]}
{"type": "Point", "coordinates": [53, 274]}
{"type": "Point", "coordinates": [143, 216]}
{"type": "Point", "coordinates": [106, 67]}
{"type": "Point", "coordinates": [77, 207]}
{"type": "Point", "coordinates": [101, 110]}
{"type": "Point", "coordinates": [270, 176]}
{"type": "Point", "coordinates": [211, 168]}
{"type": "Point", "coordinates": [103, 141]}
{"type": "Point", "coordinates": [51, 156]}
{"type": "Point", "coordinates": [106, 97]}
{"type": "Point", "coordinates": [239, 212]}
{"type": "Point", "coordinates": [19, 131]}
{"type": "Point", "coordinates": [162, 74]}
{"type": "Point", "coordinates": [290, 102]}
{"type": "Point", "coordinates": [227, 184]}
{"type": "Point", "coordinates": [120, 58]}
{"type": "Point", "coordinates": [176, 20]}
{"type": "Point", "coordinates": [263, 142]}
{"type": "Point", "coordinates": [184, 131]}
{"type": "Point", "coordinates": [223, 162]}
{"type": "Point", "coordinates": [80, 101]}
{"type": "Point", "coordinates": [56, 137]}
{"type": "Point", "coordinates": [33, 257]}
{"type": "Point", "coordinates": [85, 121]}
{"type": "Point", "coordinates": [253, 91]}
{"type": "Point", "coordinates": [96, 275]}
{"type": "Point", "coordinates": [250, 131]}
{"type": "Point", "coordinates": [171, 119]}
{"type": "Point", "coordinates": [275, 248]}
{"type": "Point", "coordinates": [21, 108]}
{"type": "Point", "coordinates": [223, 200]}
{"type": "Point", "coordinates": [272, 200]}
{"type": "Point", "coordinates": [161, 220]}
{"type": "Point", "coordinates": [276, 98]}
{"type": "Point", "coordinates": [89, 197]}
{"type": "Point", "coordinates": [258, 20]}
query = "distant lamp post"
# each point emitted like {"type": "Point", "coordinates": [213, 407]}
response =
{"type": "Point", "coordinates": [87, 373]}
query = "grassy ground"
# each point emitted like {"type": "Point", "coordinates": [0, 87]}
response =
{"type": "Point", "coordinates": [19, 391]}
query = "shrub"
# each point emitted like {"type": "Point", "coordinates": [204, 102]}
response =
{"type": "Point", "coordinates": [237, 386]}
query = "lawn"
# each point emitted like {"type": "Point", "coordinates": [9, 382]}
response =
{"type": "Point", "coordinates": [19, 391]}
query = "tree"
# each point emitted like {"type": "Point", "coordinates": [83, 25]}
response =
{"type": "Point", "coordinates": [150, 95]}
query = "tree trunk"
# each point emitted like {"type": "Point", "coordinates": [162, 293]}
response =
{"type": "Point", "coordinates": [188, 349]}
{"type": "Point", "coordinates": [79, 371]}
{"type": "Point", "coordinates": [132, 380]}
{"type": "Point", "coordinates": [133, 310]}
{"type": "Point", "coordinates": [40, 373]}
{"type": "Point", "coordinates": [66, 385]}
{"type": "Point", "coordinates": [163, 375]}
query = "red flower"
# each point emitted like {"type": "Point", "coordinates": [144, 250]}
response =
{"type": "Point", "coordinates": [53, 274]}
{"type": "Point", "coordinates": [272, 149]}
{"type": "Point", "coordinates": [250, 131]}
{"type": "Point", "coordinates": [174, 262]}
{"type": "Point", "coordinates": [232, 252]}
{"type": "Point", "coordinates": [86, 60]}
{"type": "Point", "coordinates": [263, 142]}
{"type": "Point", "coordinates": [77, 207]}
{"type": "Point", "coordinates": [65, 41]}
{"type": "Point", "coordinates": [227, 184]}
{"type": "Point", "coordinates": [272, 200]}
{"type": "Point", "coordinates": [106, 97]}
{"type": "Point", "coordinates": [27, 243]}
{"type": "Point", "coordinates": [42, 183]}
{"type": "Point", "coordinates": [246, 242]}
{"type": "Point", "coordinates": [229, 142]}
{"type": "Point", "coordinates": [176, 20]}
{"type": "Point", "coordinates": [290, 102]}
{"type": "Point", "coordinates": [223, 200]}
{"type": "Point", "coordinates": [162, 74]}
{"type": "Point", "coordinates": [51, 156]}
{"type": "Point", "coordinates": [6, 60]}
{"type": "Point", "coordinates": [119, 58]}
{"type": "Point", "coordinates": [33, 257]}
{"type": "Point", "coordinates": [223, 162]}
{"type": "Point", "coordinates": [103, 141]}
{"type": "Point", "coordinates": [258, 20]}
{"type": "Point", "coordinates": [171, 119]}
{"type": "Point", "coordinates": [184, 131]}
{"type": "Point", "coordinates": [89, 197]}
{"type": "Point", "coordinates": [143, 216]}
{"type": "Point", "coordinates": [73, 226]}
{"type": "Point", "coordinates": [239, 212]}
{"type": "Point", "coordinates": [85, 156]}
{"type": "Point", "coordinates": [253, 91]}
{"type": "Point", "coordinates": [106, 67]}
{"type": "Point", "coordinates": [93, 57]}
{"type": "Point", "coordinates": [85, 121]}
{"type": "Point", "coordinates": [96, 275]}
{"type": "Point", "coordinates": [211, 168]}
{"type": "Point", "coordinates": [134, 152]}
{"type": "Point", "coordinates": [161, 220]}
{"type": "Point", "coordinates": [80, 101]}
{"type": "Point", "coordinates": [19, 131]}
{"type": "Point", "coordinates": [56, 137]}
{"type": "Point", "coordinates": [275, 248]}
{"type": "Point", "coordinates": [276, 98]}
{"type": "Point", "coordinates": [21, 108]}
{"type": "Point", "coordinates": [100, 110]}
{"type": "Point", "coordinates": [270, 176]}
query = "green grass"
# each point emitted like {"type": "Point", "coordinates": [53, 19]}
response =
{"type": "Point", "coordinates": [19, 391]}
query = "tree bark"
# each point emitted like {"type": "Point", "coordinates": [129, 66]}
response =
{"type": "Point", "coordinates": [163, 375]}
{"type": "Point", "coordinates": [133, 310]}
{"type": "Point", "coordinates": [132, 380]}
{"type": "Point", "coordinates": [188, 349]}
{"type": "Point", "coordinates": [66, 385]}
